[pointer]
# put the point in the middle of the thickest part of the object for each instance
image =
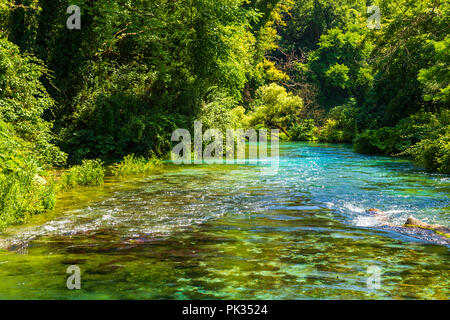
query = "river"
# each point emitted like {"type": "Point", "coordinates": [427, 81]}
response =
{"type": "Point", "coordinates": [230, 232]}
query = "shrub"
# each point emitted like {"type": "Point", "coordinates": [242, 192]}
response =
{"type": "Point", "coordinates": [111, 127]}
{"type": "Point", "coordinates": [423, 136]}
{"type": "Point", "coordinates": [23, 190]}
{"type": "Point", "coordinates": [23, 194]}
{"type": "Point", "coordinates": [23, 101]}
{"type": "Point", "coordinates": [136, 165]}
{"type": "Point", "coordinates": [303, 131]}
{"type": "Point", "coordinates": [274, 107]}
{"type": "Point", "coordinates": [89, 173]}
{"type": "Point", "coordinates": [345, 116]}
{"type": "Point", "coordinates": [331, 132]}
{"type": "Point", "coordinates": [337, 75]}
{"type": "Point", "coordinates": [433, 154]}
{"type": "Point", "coordinates": [381, 141]}
{"type": "Point", "coordinates": [398, 139]}
{"type": "Point", "coordinates": [219, 111]}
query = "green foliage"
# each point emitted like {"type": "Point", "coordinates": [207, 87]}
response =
{"type": "Point", "coordinates": [337, 76]}
{"type": "Point", "coordinates": [89, 173]}
{"type": "Point", "coordinates": [339, 66]}
{"type": "Point", "coordinates": [402, 137]}
{"type": "Point", "coordinates": [339, 127]}
{"type": "Point", "coordinates": [331, 132]}
{"type": "Point", "coordinates": [274, 107]}
{"type": "Point", "coordinates": [110, 127]}
{"type": "Point", "coordinates": [241, 119]}
{"type": "Point", "coordinates": [132, 165]}
{"type": "Point", "coordinates": [403, 48]}
{"type": "Point", "coordinates": [23, 194]}
{"type": "Point", "coordinates": [344, 116]}
{"type": "Point", "coordinates": [305, 130]}
{"type": "Point", "coordinates": [378, 79]}
{"type": "Point", "coordinates": [217, 112]}
{"type": "Point", "coordinates": [383, 140]}
{"type": "Point", "coordinates": [23, 189]}
{"type": "Point", "coordinates": [117, 117]}
{"type": "Point", "coordinates": [433, 154]}
{"type": "Point", "coordinates": [436, 79]}
{"type": "Point", "coordinates": [26, 140]}
{"type": "Point", "coordinates": [23, 101]}
{"type": "Point", "coordinates": [309, 19]}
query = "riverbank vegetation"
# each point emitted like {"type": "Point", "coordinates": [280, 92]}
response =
{"type": "Point", "coordinates": [89, 173]}
{"type": "Point", "coordinates": [132, 165]}
{"type": "Point", "coordinates": [134, 73]}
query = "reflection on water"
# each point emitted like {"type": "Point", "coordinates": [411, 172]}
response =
{"type": "Point", "coordinates": [207, 232]}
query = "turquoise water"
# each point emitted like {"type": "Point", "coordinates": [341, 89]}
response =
{"type": "Point", "coordinates": [230, 232]}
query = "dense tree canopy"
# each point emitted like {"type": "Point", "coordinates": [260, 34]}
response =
{"type": "Point", "coordinates": [136, 70]}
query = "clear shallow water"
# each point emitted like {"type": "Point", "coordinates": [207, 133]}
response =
{"type": "Point", "coordinates": [228, 232]}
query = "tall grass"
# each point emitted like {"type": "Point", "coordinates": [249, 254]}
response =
{"type": "Point", "coordinates": [131, 165]}
{"type": "Point", "coordinates": [24, 193]}
{"type": "Point", "coordinates": [89, 173]}
{"type": "Point", "coordinates": [23, 190]}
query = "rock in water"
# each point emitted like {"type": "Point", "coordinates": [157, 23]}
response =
{"type": "Point", "coordinates": [414, 223]}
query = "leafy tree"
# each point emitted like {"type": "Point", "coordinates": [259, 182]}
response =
{"type": "Point", "coordinates": [436, 79]}
{"type": "Point", "coordinates": [340, 67]}
{"type": "Point", "coordinates": [310, 19]}
{"type": "Point", "coordinates": [274, 107]}
{"type": "Point", "coordinates": [305, 130]}
{"type": "Point", "coordinates": [23, 101]}
{"type": "Point", "coordinates": [402, 49]}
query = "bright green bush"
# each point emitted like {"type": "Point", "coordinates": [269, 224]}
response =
{"type": "Point", "coordinates": [275, 108]}
{"type": "Point", "coordinates": [23, 189]}
{"type": "Point", "coordinates": [23, 194]}
{"type": "Point", "coordinates": [339, 65]}
{"type": "Point", "coordinates": [219, 111]}
{"type": "Point", "coordinates": [23, 101]}
{"type": "Point", "coordinates": [345, 116]}
{"type": "Point", "coordinates": [436, 79]}
{"type": "Point", "coordinates": [89, 173]}
{"type": "Point", "coordinates": [340, 126]}
{"type": "Point", "coordinates": [331, 132]}
{"type": "Point", "coordinates": [132, 165]}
